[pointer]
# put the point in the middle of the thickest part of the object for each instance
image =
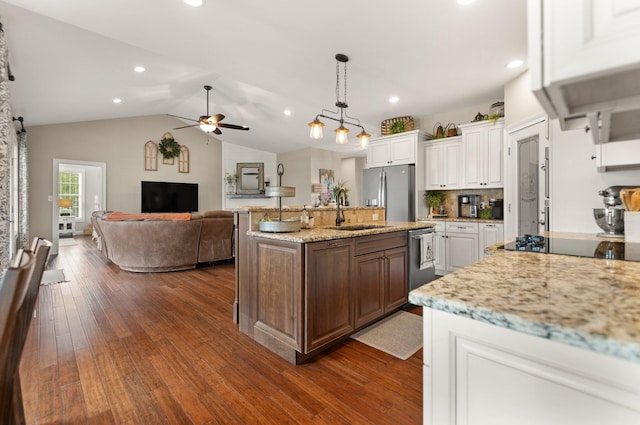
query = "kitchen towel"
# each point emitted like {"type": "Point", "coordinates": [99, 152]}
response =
{"type": "Point", "coordinates": [426, 251]}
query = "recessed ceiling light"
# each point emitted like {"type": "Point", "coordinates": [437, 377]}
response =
{"type": "Point", "coordinates": [287, 112]}
{"type": "Point", "coordinates": [515, 63]}
{"type": "Point", "coordinates": [117, 100]}
{"type": "Point", "coordinates": [139, 69]}
{"type": "Point", "coordinates": [465, 2]}
{"type": "Point", "coordinates": [393, 99]}
{"type": "Point", "coordinates": [194, 3]}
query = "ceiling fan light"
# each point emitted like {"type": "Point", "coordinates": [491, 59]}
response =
{"type": "Point", "coordinates": [364, 137]}
{"type": "Point", "coordinates": [316, 129]}
{"type": "Point", "coordinates": [341, 135]}
{"type": "Point", "coordinates": [207, 128]}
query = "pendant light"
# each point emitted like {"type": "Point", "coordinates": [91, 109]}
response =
{"type": "Point", "coordinates": [341, 116]}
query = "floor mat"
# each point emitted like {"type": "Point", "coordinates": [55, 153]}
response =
{"type": "Point", "coordinates": [399, 335]}
{"type": "Point", "coordinates": [52, 276]}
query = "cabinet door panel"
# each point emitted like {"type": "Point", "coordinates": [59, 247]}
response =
{"type": "Point", "coordinates": [328, 291]}
{"type": "Point", "coordinates": [434, 161]}
{"type": "Point", "coordinates": [278, 297]}
{"type": "Point", "coordinates": [378, 154]}
{"type": "Point", "coordinates": [440, 254]}
{"type": "Point", "coordinates": [490, 234]}
{"type": "Point", "coordinates": [473, 158]}
{"type": "Point", "coordinates": [462, 250]}
{"type": "Point", "coordinates": [453, 166]}
{"type": "Point", "coordinates": [403, 151]}
{"type": "Point", "coordinates": [493, 170]}
{"type": "Point", "coordinates": [369, 299]}
{"type": "Point", "coordinates": [396, 290]}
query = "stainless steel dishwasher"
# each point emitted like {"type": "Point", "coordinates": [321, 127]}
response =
{"type": "Point", "coordinates": [418, 277]}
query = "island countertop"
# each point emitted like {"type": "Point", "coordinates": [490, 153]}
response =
{"type": "Point", "coordinates": [583, 302]}
{"type": "Point", "coordinates": [324, 233]}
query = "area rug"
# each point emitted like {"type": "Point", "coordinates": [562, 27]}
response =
{"type": "Point", "coordinates": [67, 242]}
{"type": "Point", "coordinates": [399, 335]}
{"type": "Point", "coordinates": [52, 276]}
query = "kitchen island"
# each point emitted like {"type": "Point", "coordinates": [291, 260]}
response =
{"type": "Point", "coordinates": [532, 338]}
{"type": "Point", "coordinates": [298, 293]}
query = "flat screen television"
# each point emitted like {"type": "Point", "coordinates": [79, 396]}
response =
{"type": "Point", "coordinates": [163, 197]}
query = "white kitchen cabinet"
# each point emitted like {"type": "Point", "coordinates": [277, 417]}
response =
{"type": "Point", "coordinates": [483, 154]}
{"type": "Point", "coordinates": [66, 226]}
{"type": "Point", "coordinates": [440, 253]}
{"type": "Point", "coordinates": [444, 165]}
{"type": "Point", "coordinates": [489, 234]}
{"type": "Point", "coordinates": [461, 244]}
{"type": "Point", "coordinates": [584, 61]}
{"type": "Point", "coordinates": [456, 246]}
{"type": "Point", "coordinates": [479, 373]}
{"type": "Point", "coordinates": [397, 149]}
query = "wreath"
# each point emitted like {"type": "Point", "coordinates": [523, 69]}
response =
{"type": "Point", "coordinates": [169, 148]}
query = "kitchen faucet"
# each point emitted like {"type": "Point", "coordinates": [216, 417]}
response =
{"type": "Point", "coordinates": [340, 219]}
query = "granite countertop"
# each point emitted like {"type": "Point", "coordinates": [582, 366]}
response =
{"type": "Point", "coordinates": [584, 302]}
{"type": "Point", "coordinates": [326, 233]}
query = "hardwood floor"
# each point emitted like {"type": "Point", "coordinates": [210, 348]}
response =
{"type": "Point", "coordinates": [113, 347]}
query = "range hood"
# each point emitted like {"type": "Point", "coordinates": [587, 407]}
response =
{"type": "Point", "coordinates": [585, 65]}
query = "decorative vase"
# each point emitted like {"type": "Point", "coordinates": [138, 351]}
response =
{"type": "Point", "coordinates": [231, 188]}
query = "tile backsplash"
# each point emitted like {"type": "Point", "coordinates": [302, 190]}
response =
{"type": "Point", "coordinates": [451, 201]}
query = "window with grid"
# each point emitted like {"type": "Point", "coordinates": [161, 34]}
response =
{"type": "Point", "coordinates": [70, 193]}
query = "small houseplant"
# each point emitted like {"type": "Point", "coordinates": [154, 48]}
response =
{"type": "Point", "coordinates": [397, 127]}
{"type": "Point", "coordinates": [433, 199]}
{"type": "Point", "coordinates": [337, 187]}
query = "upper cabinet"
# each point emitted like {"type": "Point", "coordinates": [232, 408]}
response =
{"type": "Point", "coordinates": [397, 149]}
{"type": "Point", "coordinates": [482, 145]}
{"type": "Point", "coordinates": [585, 64]}
{"type": "Point", "coordinates": [444, 168]}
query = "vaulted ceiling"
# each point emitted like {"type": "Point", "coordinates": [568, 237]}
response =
{"type": "Point", "coordinates": [72, 57]}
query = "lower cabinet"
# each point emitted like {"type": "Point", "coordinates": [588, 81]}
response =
{"type": "Point", "coordinates": [328, 292]}
{"type": "Point", "coordinates": [460, 243]}
{"type": "Point", "coordinates": [301, 297]}
{"type": "Point", "coordinates": [380, 283]}
{"type": "Point", "coordinates": [479, 373]}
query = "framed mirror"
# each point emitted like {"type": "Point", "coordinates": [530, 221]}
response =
{"type": "Point", "coordinates": [250, 177]}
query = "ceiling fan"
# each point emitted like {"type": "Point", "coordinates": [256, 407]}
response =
{"type": "Point", "coordinates": [210, 123]}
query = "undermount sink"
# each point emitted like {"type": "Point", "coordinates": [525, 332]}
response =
{"type": "Point", "coordinates": [352, 227]}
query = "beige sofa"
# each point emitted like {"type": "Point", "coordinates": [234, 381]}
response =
{"type": "Point", "coordinates": [152, 245]}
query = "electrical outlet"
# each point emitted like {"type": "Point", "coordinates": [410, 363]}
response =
{"type": "Point", "coordinates": [50, 198]}
{"type": "Point", "coordinates": [374, 217]}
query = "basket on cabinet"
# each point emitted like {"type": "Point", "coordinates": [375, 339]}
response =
{"type": "Point", "coordinates": [385, 126]}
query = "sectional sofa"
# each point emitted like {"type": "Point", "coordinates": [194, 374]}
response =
{"type": "Point", "coordinates": [162, 243]}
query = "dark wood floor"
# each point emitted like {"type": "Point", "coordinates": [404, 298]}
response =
{"type": "Point", "coordinates": [112, 347]}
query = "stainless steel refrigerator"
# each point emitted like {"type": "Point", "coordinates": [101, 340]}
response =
{"type": "Point", "coordinates": [393, 188]}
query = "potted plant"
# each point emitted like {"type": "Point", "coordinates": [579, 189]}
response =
{"type": "Point", "coordinates": [231, 180]}
{"type": "Point", "coordinates": [397, 127]}
{"type": "Point", "coordinates": [335, 190]}
{"type": "Point", "coordinates": [433, 199]}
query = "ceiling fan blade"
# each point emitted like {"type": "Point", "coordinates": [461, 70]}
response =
{"type": "Point", "coordinates": [217, 131]}
{"type": "Point", "coordinates": [233, 126]}
{"type": "Point", "coordinates": [186, 126]}
{"type": "Point", "coordinates": [184, 118]}
{"type": "Point", "coordinates": [216, 118]}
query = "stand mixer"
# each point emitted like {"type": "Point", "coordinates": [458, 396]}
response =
{"type": "Point", "coordinates": [611, 217]}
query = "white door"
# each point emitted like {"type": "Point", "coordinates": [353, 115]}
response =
{"type": "Point", "coordinates": [527, 197]}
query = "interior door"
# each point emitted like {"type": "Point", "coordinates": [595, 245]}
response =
{"type": "Point", "coordinates": [528, 193]}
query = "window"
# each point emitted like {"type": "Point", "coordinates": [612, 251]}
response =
{"type": "Point", "coordinates": [70, 192]}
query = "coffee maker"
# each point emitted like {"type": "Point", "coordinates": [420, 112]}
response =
{"type": "Point", "coordinates": [468, 206]}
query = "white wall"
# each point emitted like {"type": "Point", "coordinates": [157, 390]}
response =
{"type": "Point", "coordinates": [352, 176]}
{"type": "Point", "coordinates": [231, 155]}
{"type": "Point", "coordinates": [575, 182]}
{"type": "Point", "coordinates": [120, 144]}
{"type": "Point", "coordinates": [520, 104]}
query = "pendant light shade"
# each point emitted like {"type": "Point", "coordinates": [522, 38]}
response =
{"type": "Point", "coordinates": [207, 128]}
{"type": "Point", "coordinates": [341, 116]}
{"type": "Point", "coordinates": [342, 135]}
{"type": "Point", "coordinates": [316, 129]}
{"type": "Point", "coordinates": [363, 139]}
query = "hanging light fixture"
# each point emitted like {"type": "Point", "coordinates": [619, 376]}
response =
{"type": "Point", "coordinates": [341, 117]}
